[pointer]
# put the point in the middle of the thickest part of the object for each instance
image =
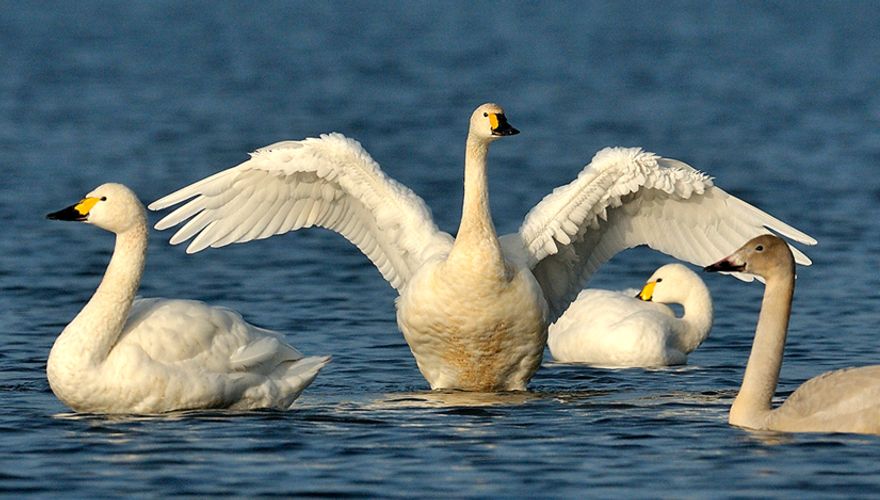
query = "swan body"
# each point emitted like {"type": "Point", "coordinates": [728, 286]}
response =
{"type": "Point", "coordinates": [616, 329]}
{"type": "Point", "coordinates": [475, 308]}
{"type": "Point", "coordinates": [123, 354]}
{"type": "Point", "coordinates": [846, 400]}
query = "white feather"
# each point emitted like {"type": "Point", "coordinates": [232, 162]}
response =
{"type": "Point", "coordinates": [649, 200]}
{"type": "Point", "coordinates": [323, 176]}
{"type": "Point", "coordinates": [619, 329]}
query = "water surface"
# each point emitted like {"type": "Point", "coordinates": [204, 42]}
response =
{"type": "Point", "coordinates": [777, 101]}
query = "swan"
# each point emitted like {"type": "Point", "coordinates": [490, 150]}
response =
{"type": "Point", "coordinates": [123, 354]}
{"type": "Point", "coordinates": [846, 400]}
{"type": "Point", "coordinates": [616, 329]}
{"type": "Point", "coordinates": [474, 309]}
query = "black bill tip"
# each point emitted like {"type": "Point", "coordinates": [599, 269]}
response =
{"type": "Point", "coordinates": [505, 131]}
{"type": "Point", "coordinates": [69, 214]}
{"type": "Point", "coordinates": [724, 266]}
{"type": "Point", "coordinates": [503, 127]}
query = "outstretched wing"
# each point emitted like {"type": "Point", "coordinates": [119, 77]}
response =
{"type": "Point", "coordinates": [627, 197]}
{"type": "Point", "coordinates": [330, 182]}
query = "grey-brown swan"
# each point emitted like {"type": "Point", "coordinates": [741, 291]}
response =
{"type": "Point", "coordinates": [846, 400]}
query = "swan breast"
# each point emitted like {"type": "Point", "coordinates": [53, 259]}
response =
{"type": "Point", "coordinates": [471, 332]}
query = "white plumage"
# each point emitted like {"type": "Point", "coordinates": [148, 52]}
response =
{"type": "Point", "coordinates": [473, 309]}
{"type": "Point", "coordinates": [123, 354]}
{"type": "Point", "coordinates": [626, 329]}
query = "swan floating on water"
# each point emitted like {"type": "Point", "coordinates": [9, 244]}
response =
{"type": "Point", "coordinates": [474, 309]}
{"type": "Point", "coordinates": [618, 329]}
{"type": "Point", "coordinates": [123, 354]}
{"type": "Point", "coordinates": [846, 400]}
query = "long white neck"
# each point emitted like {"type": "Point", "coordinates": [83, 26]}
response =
{"type": "Point", "coordinates": [697, 318]}
{"type": "Point", "coordinates": [477, 242]}
{"type": "Point", "coordinates": [752, 405]}
{"type": "Point", "coordinates": [87, 340]}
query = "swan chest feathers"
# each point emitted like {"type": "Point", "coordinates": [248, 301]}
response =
{"type": "Point", "coordinates": [474, 329]}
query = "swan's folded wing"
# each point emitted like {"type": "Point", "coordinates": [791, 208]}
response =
{"type": "Point", "coordinates": [625, 198]}
{"type": "Point", "coordinates": [330, 182]}
{"type": "Point", "coordinates": [850, 396]}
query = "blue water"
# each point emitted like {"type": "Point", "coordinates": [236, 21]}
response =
{"type": "Point", "coordinates": [779, 101]}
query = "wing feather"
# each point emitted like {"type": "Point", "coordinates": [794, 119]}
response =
{"type": "Point", "coordinates": [627, 197]}
{"type": "Point", "coordinates": [330, 182]}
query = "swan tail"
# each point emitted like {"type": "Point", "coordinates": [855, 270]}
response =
{"type": "Point", "coordinates": [299, 375]}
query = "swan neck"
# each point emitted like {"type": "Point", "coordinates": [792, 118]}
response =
{"type": "Point", "coordinates": [697, 317]}
{"type": "Point", "coordinates": [477, 232]}
{"type": "Point", "coordinates": [96, 328]}
{"type": "Point", "coordinates": [753, 404]}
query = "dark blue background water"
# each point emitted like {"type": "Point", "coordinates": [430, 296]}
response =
{"type": "Point", "coordinates": [778, 101]}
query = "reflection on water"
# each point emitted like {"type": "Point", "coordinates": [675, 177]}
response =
{"type": "Point", "coordinates": [454, 399]}
{"type": "Point", "coordinates": [768, 438]}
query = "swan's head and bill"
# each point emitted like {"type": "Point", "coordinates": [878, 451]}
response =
{"type": "Point", "coordinates": [490, 123]}
{"type": "Point", "coordinates": [669, 284]}
{"type": "Point", "coordinates": [111, 206]}
{"type": "Point", "coordinates": [762, 256]}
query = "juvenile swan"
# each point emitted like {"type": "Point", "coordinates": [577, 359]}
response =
{"type": "Point", "coordinates": [846, 400]}
{"type": "Point", "coordinates": [474, 309]}
{"type": "Point", "coordinates": [127, 355]}
{"type": "Point", "coordinates": [611, 329]}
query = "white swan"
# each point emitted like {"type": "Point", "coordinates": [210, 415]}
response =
{"type": "Point", "coordinates": [846, 400]}
{"type": "Point", "coordinates": [127, 355]}
{"type": "Point", "coordinates": [618, 329]}
{"type": "Point", "coordinates": [473, 309]}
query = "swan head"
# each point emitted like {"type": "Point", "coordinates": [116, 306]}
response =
{"type": "Point", "coordinates": [670, 284]}
{"type": "Point", "coordinates": [762, 256]}
{"type": "Point", "coordinates": [111, 206]}
{"type": "Point", "coordinates": [489, 123]}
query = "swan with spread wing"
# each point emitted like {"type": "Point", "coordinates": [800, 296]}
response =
{"type": "Point", "coordinates": [474, 309]}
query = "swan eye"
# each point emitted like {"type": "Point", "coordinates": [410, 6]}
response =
{"type": "Point", "coordinates": [659, 280]}
{"type": "Point", "coordinates": [485, 114]}
{"type": "Point", "coordinates": [759, 248]}
{"type": "Point", "coordinates": [103, 198]}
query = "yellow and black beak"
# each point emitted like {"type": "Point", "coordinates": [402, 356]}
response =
{"type": "Point", "coordinates": [499, 125]}
{"type": "Point", "coordinates": [78, 212]}
{"type": "Point", "coordinates": [647, 292]}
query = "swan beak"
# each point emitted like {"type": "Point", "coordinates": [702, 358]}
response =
{"type": "Point", "coordinates": [725, 265]}
{"type": "Point", "coordinates": [647, 292]}
{"type": "Point", "coordinates": [499, 124]}
{"type": "Point", "coordinates": [78, 212]}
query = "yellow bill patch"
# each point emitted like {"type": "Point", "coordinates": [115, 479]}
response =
{"type": "Point", "coordinates": [648, 291]}
{"type": "Point", "coordinates": [85, 205]}
{"type": "Point", "coordinates": [493, 121]}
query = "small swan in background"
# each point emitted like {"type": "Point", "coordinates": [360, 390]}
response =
{"type": "Point", "coordinates": [846, 400]}
{"type": "Point", "coordinates": [616, 329]}
{"type": "Point", "coordinates": [126, 355]}
{"type": "Point", "coordinates": [474, 309]}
